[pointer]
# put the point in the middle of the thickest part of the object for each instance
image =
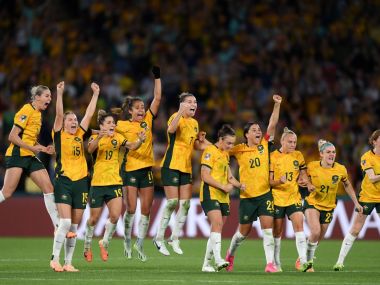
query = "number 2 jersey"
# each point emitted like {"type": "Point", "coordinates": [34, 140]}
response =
{"type": "Point", "coordinates": [288, 165]}
{"type": "Point", "coordinates": [70, 159]}
{"type": "Point", "coordinates": [326, 182]}
{"type": "Point", "coordinates": [107, 168]}
{"type": "Point", "coordinates": [253, 167]}
{"type": "Point", "coordinates": [180, 145]}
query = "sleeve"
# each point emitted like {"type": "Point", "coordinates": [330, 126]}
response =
{"type": "Point", "coordinates": [21, 118]}
{"type": "Point", "coordinates": [80, 132]}
{"type": "Point", "coordinates": [366, 163]}
{"type": "Point", "coordinates": [122, 140]}
{"type": "Point", "coordinates": [301, 161]}
{"type": "Point", "coordinates": [271, 164]}
{"type": "Point", "coordinates": [150, 115]}
{"type": "Point", "coordinates": [207, 158]}
{"type": "Point", "coordinates": [234, 151]}
{"type": "Point", "coordinates": [171, 119]}
{"type": "Point", "coordinates": [119, 128]}
{"type": "Point", "coordinates": [344, 174]}
{"type": "Point", "coordinates": [92, 138]}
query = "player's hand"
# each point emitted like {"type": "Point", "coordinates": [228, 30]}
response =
{"type": "Point", "coordinates": [228, 188]}
{"type": "Point", "coordinates": [359, 208]}
{"type": "Point", "coordinates": [60, 87]}
{"type": "Point", "coordinates": [95, 88]}
{"type": "Point", "coordinates": [283, 179]}
{"type": "Point", "coordinates": [156, 72]}
{"type": "Point", "coordinates": [201, 136]}
{"type": "Point", "coordinates": [242, 187]}
{"type": "Point", "coordinates": [277, 98]}
{"type": "Point", "coordinates": [37, 149]}
{"type": "Point", "coordinates": [310, 187]}
{"type": "Point", "coordinates": [50, 149]}
{"type": "Point", "coordinates": [102, 133]}
{"type": "Point", "coordinates": [142, 136]}
{"type": "Point", "coordinates": [184, 107]}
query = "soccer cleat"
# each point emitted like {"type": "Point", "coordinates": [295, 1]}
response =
{"type": "Point", "coordinates": [140, 252]}
{"type": "Point", "coordinates": [103, 251]}
{"type": "Point", "coordinates": [297, 265]}
{"type": "Point", "coordinates": [271, 268]}
{"type": "Point", "coordinates": [127, 250]}
{"type": "Point", "coordinates": [175, 245]}
{"type": "Point", "coordinates": [70, 268]}
{"type": "Point", "coordinates": [230, 259]}
{"type": "Point", "coordinates": [71, 235]}
{"type": "Point", "coordinates": [56, 266]}
{"type": "Point", "coordinates": [338, 267]}
{"type": "Point", "coordinates": [221, 264]}
{"type": "Point", "coordinates": [87, 255]}
{"type": "Point", "coordinates": [311, 268]}
{"type": "Point", "coordinates": [279, 268]}
{"type": "Point", "coordinates": [208, 268]}
{"type": "Point", "coordinates": [160, 245]}
{"type": "Point", "coordinates": [305, 267]}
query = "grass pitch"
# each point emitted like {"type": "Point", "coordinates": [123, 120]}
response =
{"type": "Point", "coordinates": [26, 261]}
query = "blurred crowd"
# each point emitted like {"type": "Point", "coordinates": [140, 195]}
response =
{"type": "Point", "coordinates": [321, 56]}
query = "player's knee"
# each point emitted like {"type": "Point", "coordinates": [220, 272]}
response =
{"type": "Point", "coordinates": [131, 211]}
{"type": "Point", "coordinates": [64, 225]}
{"type": "Point", "coordinates": [114, 219]}
{"type": "Point", "coordinates": [145, 212]}
{"type": "Point", "coordinates": [172, 204]}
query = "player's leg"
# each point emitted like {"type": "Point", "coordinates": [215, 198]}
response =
{"type": "Point", "coordinates": [277, 233]}
{"type": "Point", "coordinates": [313, 220]}
{"type": "Point", "coordinates": [297, 219]}
{"type": "Point", "coordinates": [130, 198]}
{"type": "Point", "coordinates": [266, 223]}
{"type": "Point", "coordinates": [11, 180]}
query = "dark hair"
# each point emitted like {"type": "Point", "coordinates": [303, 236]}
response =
{"type": "Point", "coordinates": [184, 95]}
{"type": "Point", "coordinates": [375, 135]}
{"type": "Point", "coordinates": [247, 126]}
{"type": "Point", "coordinates": [226, 130]}
{"type": "Point", "coordinates": [127, 105]}
{"type": "Point", "coordinates": [37, 91]}
{"type": "Point", "coordinates": [102, 115]}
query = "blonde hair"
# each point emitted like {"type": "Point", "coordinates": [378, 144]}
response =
{"type": "Point", "coordinates": [37, 91]}
{"type": "Point", "coordinates": [286, 132]}
{"type": "Point", "coordinates": [323, 144]}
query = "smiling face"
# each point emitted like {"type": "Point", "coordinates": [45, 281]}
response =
{"type": "Point", "coordinates": [328, 155]}
{"type": "Point", "coordinates": [254, 134]}
{"type": "Point", "coordinates": [227, 142]}
{"type": "Point", "coordinates": [108, 125]}
{"type": "Point", "coordinates": [137, 111]}
{"type": "Point", "coordinates": [289, 143]}
{"type": "Point", "coordinates": [41, 102]}
{"type": "Point", "coordinates": [192, 101]}
{"type": "Point", "coordinates": [70, 123]}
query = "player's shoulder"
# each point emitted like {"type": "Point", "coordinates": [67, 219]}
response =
{"type": "Point", "coordinates": [367, 155]}
{"type": "Point", "coordinates": [238, 147]}
{"type": "Point", "coordinates": [340, 167]}
{"type": "Point", "coordinates": [313, 164]}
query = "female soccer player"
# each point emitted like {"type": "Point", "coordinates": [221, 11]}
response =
{"type": "Point", "coordinates": [217, 182]}
{"type": "Point", "coordinates": [21, 154]}
{"type": "Point", "coordinates": [256, 200]}
{"type": "Point", "coordinates": [369, 196]}
{"type": "Point", "coordinates": [183, 137]}
{"type": "Point", "coordinates": [286, 165]}
{"type": "Point", "coordinates": [325, 176]}
{"type": "Point", "coordinates": [106, 183]}
{"type": "Point", "coordinates": [71, 182]}
{"type": "Point", "coordinates": [137, 172]}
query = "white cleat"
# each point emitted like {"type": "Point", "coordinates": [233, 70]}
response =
{"type": "Point", "coordinates": [160, 245]}
{"type": "Point", "coordinates": [208, 268]}
{"type": "Point", "coordinates": [140, 252]}
{"type": "Point", "coordinates": [221, 264]}
{"type": "Point", "coordinates": [127, 251]}
{"type": "Point", "coordinates": [175, 245]}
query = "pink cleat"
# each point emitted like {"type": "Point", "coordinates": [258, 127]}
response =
{"type": "Point", "coordinates": [297, 265]}
{"type": "Point", "coordinates": [56, 266]}
{"type": "Point", "coordinates": [271, 268]}
{"type": "Point", "coordinates": [230, 259]}
{"type": "Point", "coordinates": [70, 268]}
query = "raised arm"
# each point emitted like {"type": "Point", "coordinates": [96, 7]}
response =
{"type": "Point", "coordinates": [93, 142]}
{"type": "Point", "coordinates": [91, 107]}
{"type": "Point", "coordinates": [58, 122]}
{"type": "Point", "coordinates": [207, 178]}
{"type": "Point", "coordinates": [351, 192]}
{"type": "Point", "coordinates": [183, 107]}
{"type": "Point", "coordinates": [275, 115]}
{"type": "Point", "coordinates": [201, 142]}
{"type": "Point", "coordinates": [157, 90]}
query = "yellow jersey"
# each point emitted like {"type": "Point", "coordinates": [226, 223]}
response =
{"type": "Point", "coordinates": [106, 168]}
{"type": "Point", "coordinates": [370, 192]}
{"type": "Point", "coordinates": [326, 182]}
{"type": "Point", "coordinates": [180, 145]}
{"type": "Point", "coordinates": [288, 165]}
{"type": "Point", "coordinates": [70, 159]}
{"type": "Point", "coordinates": [29, 120]}
{"type": "Point", "coordinates": [253, 168]}
{"type": "Point", "coordinates": [143, 156]}
{"type": "Point", "coordinates": [218, 161]}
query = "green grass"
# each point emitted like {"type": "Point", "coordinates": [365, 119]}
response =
{"type": "Point", "coordinates": [26, 261]}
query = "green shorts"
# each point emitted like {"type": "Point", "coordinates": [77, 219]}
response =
{"type": "Point", "coordinates": [172, 177]}
{"type": "Point", "coordinates": [251, 208]}
{"type": "Point", "coordinates": [368, 207]}
{"type": "Point", "coordinates": [73, 193]}
{"type": "Point", "coordinates": [209, 205]}
{"type": "Point", "coordinates": [139, 178]}
{"type": "Point", "coordinates": [325, 217]}
{"type": "Point", "coordinates": [28, 163]}
{"type": "Point", "coordinates": [102, 194]}
{"type": "Point", "coordinates": [280, 212]}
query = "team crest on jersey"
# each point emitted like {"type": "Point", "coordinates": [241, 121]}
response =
{"type": "Point", "coordinates": [23, 118]}
{"type": "Point", "coordinates": [207, 156]}
{"type": "Point", "coordinates": [77, 139]}
{"type": "Point", "coordinates": [114, 143]}
{"type": "Point", "coordinates": [335, 179]}
{"type": "Point", "coordinates": [296, 164]}
{"type": "Point", "coordinates": [133, 180]}
{"type": "Point", "coordinates": [260, 148]}
{"type": "Point", "coordinates": [363, 162]}
{"type": "Point", "coordinates": [144, 125]}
